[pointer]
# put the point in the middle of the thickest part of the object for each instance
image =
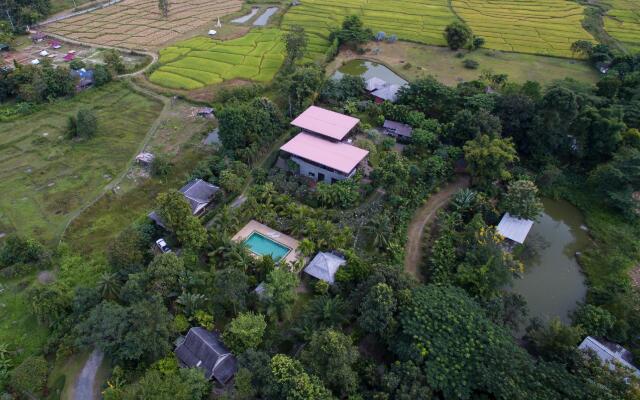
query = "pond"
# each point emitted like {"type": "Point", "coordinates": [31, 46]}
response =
{"type": "Point", "coordinates": [367, 70]}
{"type": "Point", "coordinates": [553, 282]}
{"type": "Point", "coordinates": [264, 18]}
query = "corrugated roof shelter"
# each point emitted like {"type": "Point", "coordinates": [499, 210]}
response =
{"type": "Point", "coordinates": [339, 156]}
{"type": "Point", "coordinates": [395, 128]}
{"type": "Point", "coordinates": [325, 122]}
{"type": "Point", "coordinates": [388, 93]}
{"type": "Point", "coordinates": [374, 83]}
{"type": "Point", "coordinates": [513, 228]}
{"type": "Point", "coordinates": [203, 349]}
{"type": "Point", "coordinates": [324, 266]}
{"type": "Point", "coordinates": [609, 353]}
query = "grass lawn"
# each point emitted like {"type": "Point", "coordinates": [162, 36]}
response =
{"type": "Point", "coordinates": [18, 328]}
{"type": "Point", "coordinates": [443, 64]}
{"type": "Point", "coordinates": [178, 138]}
{"type": "Point", "coordinates": [45, 178]}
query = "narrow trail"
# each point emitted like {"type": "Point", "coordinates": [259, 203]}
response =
{"type": "Point", "coordinates": [423, 216]}
{"type": "Point", "coordinates": [85, 385]}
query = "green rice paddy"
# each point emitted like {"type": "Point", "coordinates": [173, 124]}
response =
{"type": "Point", "coordinates": [622, 22]}
{"type": "Point", "coordinates": [201, 61]}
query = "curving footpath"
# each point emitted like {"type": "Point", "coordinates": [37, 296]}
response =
{"type": "Point", "coordinates": [85, 386]}
{"type": "Point", "coordinates": [423, 216]}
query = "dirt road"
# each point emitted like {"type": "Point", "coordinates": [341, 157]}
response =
{"type": "Point", "coordinates": [85, 387]}
{"type": "Point", "coordinates": [423, 216]}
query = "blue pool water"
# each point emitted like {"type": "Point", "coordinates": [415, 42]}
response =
{"type": "Point", "coordinates": [263, 246]}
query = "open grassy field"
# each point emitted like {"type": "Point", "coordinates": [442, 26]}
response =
{"type": "Point", "coordinates": [138, 23]}
{"type": "Point", "coordinates": [178, 138]}
{"type": "Point", "coordinates": [201, 61]}
{"type": "Point", "coordinates": [622, 22]}
{"type": "Point", "coordinates": [45, 178]}
{"type": "Point", "coordinates": [545, 27]}
{"type": "Point", "coordinates": [443, 64]}
{"type": "Point", "coordinates": [417, 20]}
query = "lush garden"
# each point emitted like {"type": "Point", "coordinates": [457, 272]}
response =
{"type": "Point", "coordinates": [201, 61]}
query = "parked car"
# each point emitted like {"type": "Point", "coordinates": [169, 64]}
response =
{"type": "Point", "coordinates": [163, 246]}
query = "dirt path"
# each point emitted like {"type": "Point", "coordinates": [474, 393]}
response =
{"type": "Point", "coordinates": [423, 216]}
{"type": "Point", "coordinates": [85, 386]}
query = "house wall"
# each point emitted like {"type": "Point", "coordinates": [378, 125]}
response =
{"type": "Point", "coordinates": [312, 171]}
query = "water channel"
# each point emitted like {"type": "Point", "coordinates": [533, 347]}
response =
{"type": "Point", "coordinates": [553, 282]}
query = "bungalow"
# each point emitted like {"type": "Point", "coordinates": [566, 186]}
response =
{"type": "Point", "coordinates": [198, 193]}
{"type": "Point", "coordinates": [386, 93]}
{"type": "Point", "coordinates": [323, 160]}
{"type": "Point", "coordinates": [397, 129]}
{"type": "Point", "coordinates": [324, 266]}
{"type": "Point", "coordinates": [609, 353]}
{"type": "Point", "coordinates": [515, 229]}
{"type": "Point", "coordinates": [327, 123]}
{"type": "Point", "coordinates": [204, 349]}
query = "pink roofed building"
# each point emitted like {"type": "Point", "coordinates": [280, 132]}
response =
{"type": "Point", "coordinates": [325, 122]}
{"type": "Point", "coordinates": [323, 160]}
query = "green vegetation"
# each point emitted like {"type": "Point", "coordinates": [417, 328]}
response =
{"type": "Point", "coordinates": [46, 177]}
{"type": "Point", "coordinates": [200, 61]}
{"type": "Point", "coordinates": [622, 21]}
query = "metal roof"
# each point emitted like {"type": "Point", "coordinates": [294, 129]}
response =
{"type": "Point", "coordinates": [608, 353]}
{"type": "Point", "coordinates": [324, 266]}
{"type": "Point", "coordinates": [340, 156]}
{"type": "Point", "coordinates": [325, 122]}
{"type": "Point", "coordinates": [398, 128]}
{"type": "Point", "coordinates": [514, 228]}
{"type": "Point", "coordinates": [198, 194]}
{"type": "Point", "coordinates": [203, 349]}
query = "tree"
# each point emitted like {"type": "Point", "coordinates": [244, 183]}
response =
{"type": "Point", "coordinates": [582, 47]}
{"type": "Point", "coordinates": [163, 6]}
{"type": "Point", "coordinates": [244, 332]}
{"type": "Point", "coordinates": [230, 287]}
{"type": "Point", "coordinates": [50, 303]}
{"type": "Point", "coordinates": [178, 384]}
{"type": "Point", "coordinates": [295, 44]}
{"type": "Point", "coordinates": [457, 34]}
{"type": "Point", "coordinates": [126, 253]}
{"type": "Point", "coordinates": [160, 166]}
{"type": "Point", "coordinates": [353, 32]}
{"type": "Point", "coordinates": [331, 356]}
{"type": "Point", "coordinates": [300, 87]}
{"type": "Point", "coordinates": [291, 382]}
{"type": "Point", "coordinates": [599, 133]}
{"type": "Point", "coordinates": [140, 332]}
{"type": "Point", "coordinates": [30, 376]}
{"type": "Point", "coordinates": [594, 320]}
{"type": "Point", "coordinates": [617, 180]}
{"type": "Point", "coordinates": [113, 60]}
{"type": "Point", "coordinates": [108, 286]}
{"type": "Point", "coordinates": [164, 274]}
{"type": "Point", "coordinates": [522, 201]}
{"type": "Point", "coordinates": [101, 75]}
{"type": "Point", "coordinates": [555, 341]}
{"type": "Point", "coordinates": [176, 214]}
{"type": "Point", "coordinates": [280, 292]}
{"type": "Point", "coordinates": [377, 310]}
{"type": "Point", "coordinates": [489, 158]}
{"type": "Point", "coordinates": [86, 123]}
{"type": "Point", "coordinates": [18, 249]}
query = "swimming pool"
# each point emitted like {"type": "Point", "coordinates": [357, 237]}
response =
{"type": "Point", "coordinates": [262, 246]}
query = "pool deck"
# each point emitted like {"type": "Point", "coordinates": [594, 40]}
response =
{"type": "Point", "coordinates": [255, 226]}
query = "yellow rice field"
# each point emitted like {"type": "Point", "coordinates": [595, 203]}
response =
{"type": "Point", "coordinates": [622, 22]}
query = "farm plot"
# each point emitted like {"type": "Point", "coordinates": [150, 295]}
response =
{"type": "Point", "coordinates": [139, 24]}
{"type": "Point", "coordinates": [416, 20]}
{"type": "Point", "coordinates": [546, 27]}
{"type": "Point", "coordinates": [45, 177]}
{"type": "Point", "coordinates": [622, 22]}
{"type": "Point", "coordinates": [201, 61]}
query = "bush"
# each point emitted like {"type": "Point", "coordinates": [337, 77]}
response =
{"type": "Point", "coordinates": [86, 123]}
{"type": "Point", "coordinates": [245, 332]}
{"type": "Point", "coordinates": [17, 249]}
{"type": "Point", "coordinates": [30, 376]}
{"type": "Point", "coordinates": [470, 64]}
{"type": "Point", "coordinates": [77, 64]}
{"type": "Point", "coordinates": [407, 66]}
{"type": "Point", "coordinates": [160, 166]}
{"type": "Point", "coordinates": [101, 75]}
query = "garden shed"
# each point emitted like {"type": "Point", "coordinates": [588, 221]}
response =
{"type": "Point", "coordinates": [324, 266]}
{"type": "Point", "coordinates": [514, 228]}
{"type": "Point", "coordinates": [204, 349]}
{"type": "Point", "coordinates": [397, 129]}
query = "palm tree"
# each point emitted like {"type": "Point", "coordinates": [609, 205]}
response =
{"type": "Point", "coordinates": [379, 229]}
{"type": "Point", "coordinates": [191, 302]}
{"type": "Point", "coordinates": [307, 247]}
{"type": "Point", "coordinates": [240, 257]}
{"type": "Point", "coordinates": [464, 200]}
{"type": "Point", "coordinates": [108, 285]}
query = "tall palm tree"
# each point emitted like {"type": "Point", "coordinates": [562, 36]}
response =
{"type": "Point", "coordinates": [108, 285]}
{"type": "Point", "coordinates": [191, 302]}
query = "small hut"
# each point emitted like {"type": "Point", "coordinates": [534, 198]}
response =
{"type": "Point", "coordinates": [324, 266]}
{"type": "Point", "coordinates": [513, 228]}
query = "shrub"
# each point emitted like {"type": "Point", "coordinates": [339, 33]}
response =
{"type": "Point", "coordinates": [160, 167]}
{"type": "Point", "coordinates": [86, 123]}
{"type": "Point", "coordinates": [245, 332]}
{"type": "Point", "coordinates": [30, 376]}
{"type": "Point", "coordinates": [470, 64]}
{"type": "Point", "coordinates": [77, 64]}
{"type": "Point", "coordinates": [101, 75]}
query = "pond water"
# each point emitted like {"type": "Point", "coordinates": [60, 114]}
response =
{"type": "Point", "coordinates": [553, 282]}
{"type": "Point", "coordinates": [264, 18]}
{"type": "Point", "coordinates": [367, 70]}
{"type": "Point", "coordinates": [246, 17]}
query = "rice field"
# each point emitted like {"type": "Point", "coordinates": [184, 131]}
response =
{"type": "Point", "coordinates": [138, 24]}
{"type": "Point", "coordinates": [420, 21]}
{"type": "Point", "coordinates": [622, 22]}
{"type": "Point", "coordinates": [546, 27]}
{"type": "Point", "coordinates": [201, 61]}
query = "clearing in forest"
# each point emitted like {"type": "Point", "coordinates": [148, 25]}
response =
{"type": "Point", "coordinates": [138, 24]}
{"type": "Point", "coordinates": [201, 61]}
{"type": "Point", "coordinates": [45, 177]}
{"type": "Point", "coordinates": [622, 22]}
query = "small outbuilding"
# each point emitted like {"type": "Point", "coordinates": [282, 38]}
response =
{"type": "Point", "coordinates": [204, 349]}
{"type": "Point", "coordinates": [324, 266]}
{"type": "Point", "coordinates": [374, 83]}
{"type": "Point", "coordinates": [397, 129]}
{"type": "Point", "coordinates": [609, 353]}
{"type": "Point", "coordinates": [206, 112]}
{"type": "Point", "coordinates": [386, 93]}
{"type": "Point", "coordinates": [38, 37]}
{"type": "Point", "coordinates": [84, 76]}
{"type": "Point", "coordinates": [145, 158]}
{"type": "Point", "coordinates": [513, 228]}
{"type": "Point", "coordinates": [199, 194]}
